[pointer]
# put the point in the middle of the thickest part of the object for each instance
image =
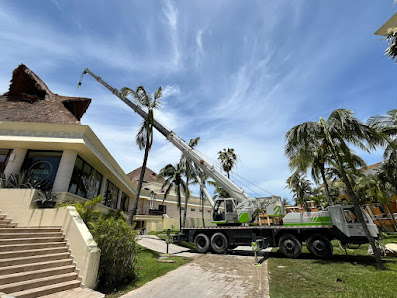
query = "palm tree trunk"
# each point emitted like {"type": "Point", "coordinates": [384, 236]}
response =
{"type": "Point", "coordinates": [356, 205]}
{"type": "Point", "coordinates": [330, 202]}
{"type": "Point", "coordinates": [180, 211]}
{"type": "Point", "coordinates": [392, 217]}
{"type": "Point", "coordinates": [202, 205]}
{"type": "Point", "coordinates": [138, 191]}
{"type": "Point", "coordinates": [187, 196]}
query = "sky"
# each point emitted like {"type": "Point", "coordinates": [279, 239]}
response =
{"type": "Point", "coordinates": [237, 74]}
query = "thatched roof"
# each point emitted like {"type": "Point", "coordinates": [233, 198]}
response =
{"type": "Point", "coordinates": [149, 176]}
{"type": "Point", "coordinates": [29, 100]}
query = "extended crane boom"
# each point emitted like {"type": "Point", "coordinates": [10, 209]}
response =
{"type": "Point", "coordinates": [244, 205]}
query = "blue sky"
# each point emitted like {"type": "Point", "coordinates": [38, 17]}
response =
{"type": "Point", "coordinates": [238, 74]}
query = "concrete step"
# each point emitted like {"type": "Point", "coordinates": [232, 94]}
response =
{"type": "Point", "coordinates": [24, 276]}
{"type": "Point", "coordinates": [47, 290]}
{"type": "Point", "coordinates": [74, 293]}
{"type": "Point", "coordinates": [36, 283]}
{"type": "Point", "coordinates": [11, 235]}
{"type": "Point", "coordinates": [8, 225]}
{"type": "Point", "coordinates": [29, 246]}
{"type": "Point", "coordinates": [35, 266]}
{"type": "Point", "coordinates": [33, 259]}
{"type": "Point", "coordinates": [29, 230]}
{"type": "Point", "coordinates": [32, 252]}
{"type": "Point", "coordinates": [2, 216]}
{"type": "Point", "coordinates": [5, 220]}
{"type": "Point", "coordinates": [11, 241]}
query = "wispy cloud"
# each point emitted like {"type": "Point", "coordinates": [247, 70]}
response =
{"type": "Point", "coordinates": [171, 14]}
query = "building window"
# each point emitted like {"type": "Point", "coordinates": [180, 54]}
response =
{"type": "Point", "coordinates": [182, 208]}
{"type": "Point", "coordinates": [193, 209]}
{"type": "Point", "coordinates": [209, 211]}
{"type": "Point", "coordinates": [200, 210]}
{"type": "Point", "coordinates": [163, 209]}
{"type": "Point", "coordinates": [43, 166]}
{"type": "Point", "coordinates": [125, 202]}
{"type": "Point", "coordinates": [86, 181]}
{"type": "Point", "coordinates": [4, 155]}
{"type": "Point", "coordinates": [111, 195]}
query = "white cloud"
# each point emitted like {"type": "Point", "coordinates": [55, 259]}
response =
{"type": "Point", "coordinates": [171, 15]}
{"type": "Point", "coordinates": [170, 90]}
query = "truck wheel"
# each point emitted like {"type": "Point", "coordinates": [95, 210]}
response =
{"type": "Point", "coordinates": [290, 246]}
{"type": "Point", "coordinates": [319, 246]}
{"type": "Point", "coordinates": [219, 243]}
{"type": "Point", "coordinates": [202, 243]}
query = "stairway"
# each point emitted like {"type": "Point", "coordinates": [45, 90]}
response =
{"type": "Point", "coordinates": [34, 261]}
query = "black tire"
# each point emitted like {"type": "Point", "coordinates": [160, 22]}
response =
{"type": "Point", "coordinates": [320, 247]}
{"type": "Point", "coordinates": [202, 243]}
{"type": "Point", "coordinates": [290, 246]}
{"type": "Point", "coordinates": [219, 243]}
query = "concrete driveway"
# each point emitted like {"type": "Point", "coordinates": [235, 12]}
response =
{"type": "Point", "coordinates": [209, 275]}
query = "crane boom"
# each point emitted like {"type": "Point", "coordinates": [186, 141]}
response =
{"type": "Point", "coordinates": [200, 161]}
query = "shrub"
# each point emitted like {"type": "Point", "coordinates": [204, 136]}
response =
{"type": "Point", "coordinates": [117, 242]}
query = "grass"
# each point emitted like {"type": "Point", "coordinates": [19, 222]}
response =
{"type": "Point", "coordinates": [148, 269]}
{"type": "Point", "coordinates": [354, 275]}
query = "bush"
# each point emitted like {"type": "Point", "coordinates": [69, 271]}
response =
{"type": "Point", "coordinates": [116, 239]}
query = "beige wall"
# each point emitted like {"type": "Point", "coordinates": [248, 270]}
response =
{"type": "Point", "coordinates": [19, 205]}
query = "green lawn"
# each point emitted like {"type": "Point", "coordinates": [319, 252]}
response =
{"type": "Point", "coordinates": [148, 269]}
{"type": "Point", "coordinates": [354, 275]}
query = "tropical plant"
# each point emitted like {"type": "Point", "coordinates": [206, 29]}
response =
{"type": "Point", "coordinates": [188, 173]}
{"type": "Point", "coordinates": [46, 196]}
{"type": "Point", "coordinates": [228, 159]}
{"type": "Point", "coordinates": [334, 135]}
{"type": "Point", "coordinates": [144, 137]}
{"type": "Point", "coordinates": [86, 210]}
{"type": "Point", "coordinates": [301, 187]}
{"type": "Point", "coordinates": [173, 179]}
{"type": "Point", "coordinates": [117, 242]}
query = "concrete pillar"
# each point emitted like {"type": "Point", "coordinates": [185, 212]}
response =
{"type": "Point", "coordinates": [65, 171]}
{"type": "Point", "coordinates": [15, 161]}
{"type": "Point", "coordinates": [103, 187]}
{"type": "Point", "coordinates": [119, 199]}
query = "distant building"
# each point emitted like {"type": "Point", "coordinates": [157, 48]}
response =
{"type": "Point", "coordinates": [152, 207]}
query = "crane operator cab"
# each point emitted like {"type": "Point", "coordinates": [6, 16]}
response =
{"type": "Point", "coordinates": [224, 212]}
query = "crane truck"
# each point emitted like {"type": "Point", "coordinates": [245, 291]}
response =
{"type": "Point", "coordinates": [236, 218]}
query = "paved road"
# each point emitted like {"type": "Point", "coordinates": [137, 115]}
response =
{"type": "Point", "coordinates": [209, 275]}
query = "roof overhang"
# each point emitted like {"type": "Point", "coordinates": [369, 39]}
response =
{"type": "Point", "coordinates": [50, 136]}
{"type": "Point", "coordinates": [392, 22]}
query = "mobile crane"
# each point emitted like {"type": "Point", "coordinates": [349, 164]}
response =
{"type": "Point", "coordinates": [234, 216]}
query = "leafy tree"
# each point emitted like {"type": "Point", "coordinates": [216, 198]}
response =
{"type": "Point", "coordinates": [335, 134]}
{"type": "Point", "coordinates": [301, 187]}
{"type": "Point", "coordinates": [228, 159]}
{"type": "Point", "coordinates": [174, 178]}
{"type": "Point", "coordinates": [144, 137]}
{"type": "Point", "coordinates": [186, 164]}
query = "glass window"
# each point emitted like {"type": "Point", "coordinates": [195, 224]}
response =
{"type": "Point", "coordinates": [111, 195]}
{"type": "Point", "coordinates": [43, 165]}
{"type": "Point", "coordinates": [4, 155]}
{"type": "Point", "coordinates": [125, 201]}
{"type": "Point", "coordinates": [86, 181]}
{"type": "Point", "coordinates": [193, 209]}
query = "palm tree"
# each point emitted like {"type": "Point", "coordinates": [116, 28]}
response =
{"type": "Point", "coordinates": [334, 134]}
{"type": "Point", "coordinates": [301, 187]}
{"type": "Point", "coordinates": [391, 50]}
{"type": "Point", "coordinates": [144, 137]}
{"type": "Point", "coordinates": [219, 192]}
{"type": "Point", "coordinates": [203, 180]}
{"type": "Point", "coordinates": [173, 175]}
{"type": "Point", "coordinates": [228, 159]}
{"type": "Point", "coordinates": [186, 164]}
